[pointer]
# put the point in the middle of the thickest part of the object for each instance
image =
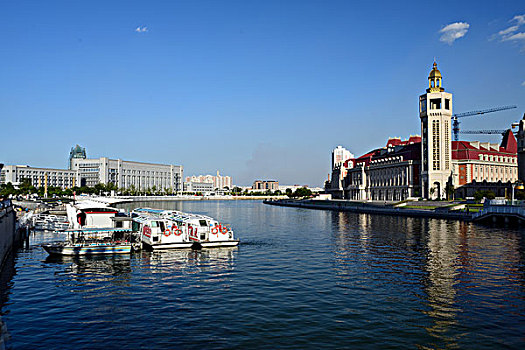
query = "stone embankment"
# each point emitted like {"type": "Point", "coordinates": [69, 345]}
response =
{"type": "Point", "coordinates": [380, 208]}
{"type": "Point", "coordinates": [124, 199]}
{"type": "Point", "coordinates": [10, 235]}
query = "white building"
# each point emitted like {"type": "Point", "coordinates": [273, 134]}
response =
{"type": "Point", "coordinates": [340, 155]}
{"type": "Point", "coordinates": [220, 182]}
{"type": "Point", "coordinates": [39, 177]}
{"type": "Point", "coordinates": [202, 187]}
{"type": "Point", "coordinates": [340, 165]}
{"type": "Point", "coordinates": [125, 174]}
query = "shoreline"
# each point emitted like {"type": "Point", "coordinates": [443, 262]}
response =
{"type": "Point", "coordinates": [368, 208]}
{"type": "Point", "coordinates": [129, 199]}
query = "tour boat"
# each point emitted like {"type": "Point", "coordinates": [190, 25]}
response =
{"type": "Point", "coordinates": [94, 241]}
{"type": "Point", "coordinates": [90, 214]}
{"type": "Point", "coordinates": [166, 229]}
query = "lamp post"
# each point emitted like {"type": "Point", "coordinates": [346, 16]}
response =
{"type": "Point", "coordinates": [519, 185]}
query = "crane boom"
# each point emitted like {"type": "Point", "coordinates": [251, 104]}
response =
{"type": "Point", "coordinates": [483, 111]}
{"type": "Point", "coordinates": [455, 121]}
{"type": "Point", "coordinates": [488, 132]}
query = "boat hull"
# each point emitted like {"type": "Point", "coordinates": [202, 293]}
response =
{"type": "Point", "coordinates": [187, 245]}
{"type": "Point", "coordinates": [87, 250]}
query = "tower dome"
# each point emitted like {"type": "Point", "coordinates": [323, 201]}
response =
{"type": "Point", "coordinates": [434, 80]}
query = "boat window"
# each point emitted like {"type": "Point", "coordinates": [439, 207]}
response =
{"type": "Point", "coordinates": [153, 224]}
{"type": "Point", "coordinates": [135, 226]}
{"type": "Point", "coordinates": [203, 223]}
{"type": "Point", "coordinates": [161, 225]}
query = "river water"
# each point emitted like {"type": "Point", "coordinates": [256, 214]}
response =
{"type": "Point", "coordinates": [299, 279]}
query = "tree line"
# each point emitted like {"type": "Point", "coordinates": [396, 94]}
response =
{"type": "Point", "coordinates": [26, 188]}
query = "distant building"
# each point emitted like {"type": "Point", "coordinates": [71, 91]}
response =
{"type": "Point", "coordinates": [39, 177]}
{"type": "Point", "coordinates": [340, 166]}
{"type": "Point", "coordinates": [76, 152]}
{"type": "Point", "coordinates": [219, 182]}
{"type": "Point", "coordinates": [265, 185]}
{"type": "Point", "coordinates": [340, 155]}
{"type": "Point", "coordinates": [125, 174]}
{"type": "Point", "coordinates": [196, 187]}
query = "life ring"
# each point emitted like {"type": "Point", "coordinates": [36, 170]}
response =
{"type": "Point", "coordinates": [177, 232]}
{"type": "Point", "coordinates": [167, 232]}
{"type": "Point", "coordinates": [146, 231]}
{"type": "Point", "coordinates": [215, 230]}
{"type": "Point", "coordinates": [224, 230]}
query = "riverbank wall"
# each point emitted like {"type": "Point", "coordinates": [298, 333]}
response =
{"type": "Point", "coordinates": [9, 235]}
{"type": "Point", "coordinates": [370, 208]}
{"type": "Point", "coordinates": [125, 199]}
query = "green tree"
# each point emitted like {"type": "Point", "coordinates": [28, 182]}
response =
{"type": "Point", "coordinates": [7, 189]}
{"type": "Point", "coordinates": [100, 188]}
{"type": "Point", "coordinates": [302, 192]}
{"type": "Point", "coordinates": [289, 192]}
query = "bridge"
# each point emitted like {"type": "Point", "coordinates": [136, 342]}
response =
{"type": "Point", "coordinates": [495, 213]}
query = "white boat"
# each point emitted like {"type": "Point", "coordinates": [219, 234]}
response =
{"type": "Point", "coordinates": [167, 229]}
{"type": "Point", "coordinates": [93, 241]}
{"type": "Point", "coordinates": [90, 214]}
{"type": "Point", "coordinates": [48, 222]}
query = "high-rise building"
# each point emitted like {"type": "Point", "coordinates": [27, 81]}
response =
{"type": "Point", "coordinates": [340, 155]}
{"type": "Point", "coordinates": [435, 112]}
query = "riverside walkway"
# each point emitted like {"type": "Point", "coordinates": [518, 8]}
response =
{"type": "Point", "coordinates": [381, 208]}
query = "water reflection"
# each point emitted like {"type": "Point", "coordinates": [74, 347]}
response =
{"type": "Point", "coordinates": [451, 268]}
{"type": "Point", "coordinates": [216, 259]}
{"type": "Point", "coordinates": [439, 284]}
{"type": "Point", "coordinates": [86, 273]}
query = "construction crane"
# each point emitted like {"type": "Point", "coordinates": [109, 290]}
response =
{"type": "Point", "coordinates": [455, 121]}
{"type": "Point", "coordinates": [487, 132]}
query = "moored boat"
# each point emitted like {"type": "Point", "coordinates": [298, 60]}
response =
{"type": "Point", "coordinates": [167, 229]}
{"type": "Point", "coordinates": [93, 242]}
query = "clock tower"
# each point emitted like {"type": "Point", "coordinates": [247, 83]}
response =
{"type": "Point", "coordinates": [435, 112]}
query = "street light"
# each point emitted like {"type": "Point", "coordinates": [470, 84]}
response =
{"type": "Point", "coordinates": [519, 185]}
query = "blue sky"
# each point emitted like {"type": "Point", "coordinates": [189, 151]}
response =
{"type": "Point", "coordinates": [255, 89]}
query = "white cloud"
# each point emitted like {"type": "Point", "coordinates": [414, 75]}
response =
{"type": "Point", "coordinates": [508, 30]}
{"type": "Point", "coordinates": [523, 84]}
{"type": "Point", "coordinates": [140, 29]}
{"type": "Point", "coordinates": [517, 36]}
{"type": "Point", "coordinates": [520, 19]}
{"type": "Point", "coordinates": [512, 33]}
{"type": "Point", "coordinates": [453, 31]}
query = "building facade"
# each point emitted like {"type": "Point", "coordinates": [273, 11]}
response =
{"type": "Point", "coordinates": [390, 173]}
{"type": "Point", "coordinates": [433, 166]}
{"type": "Point", "coordinates": [265, 185]}
{"type": "Point", "coordinates": [340, 165]}
{"type": "Point", "coordinates": [127, 174]}
{"type": "Point", "coordinates": [219, 181]}
{"type": "Point", "coordinates": [199, 187]}
{"type": "Point", "coordinates": [435, 112]}
{"type": "Point", "coordinates": [39, 177]}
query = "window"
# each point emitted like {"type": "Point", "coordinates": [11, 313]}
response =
{"type": "Point", "coordinates": [435, 103]}
{"type": "Point", "coordinates": [447, 104]}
